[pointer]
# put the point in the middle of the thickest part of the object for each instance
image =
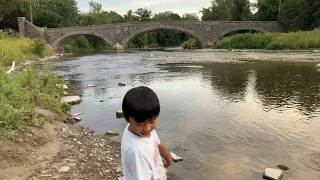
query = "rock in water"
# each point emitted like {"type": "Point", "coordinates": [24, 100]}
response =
{"type": "Point", "coordinates": [318, 65]}
{"type": "Point", "coordinates": [175, 158]}
{"type": "Point", "coordinates": [121, 84]}
{"type": "Point", "coordinates": [92, 85]}
{"type": "Point", "coordinates": [272, 174]}
{"type": "Point", "coordinates": [113, 133]}
{"type": "Point", "coordinates": [283, 167]}
{"type": "Point", "coordinates": [71, 99]}
{"type": "Point", "coordinates": [119, 114]}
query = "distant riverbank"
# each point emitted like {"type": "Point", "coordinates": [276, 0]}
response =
{"type": "Point", "coordinates": [236, 56]}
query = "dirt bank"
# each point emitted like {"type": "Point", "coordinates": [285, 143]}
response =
{"type": "Point", "coordinates": [60, 151]}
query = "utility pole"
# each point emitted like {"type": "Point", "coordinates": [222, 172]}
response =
{"type": "Point", "coordinates": [31, 17]}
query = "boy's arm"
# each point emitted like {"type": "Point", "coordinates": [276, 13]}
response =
{"type": "Point", "coordinates": [165, 154]}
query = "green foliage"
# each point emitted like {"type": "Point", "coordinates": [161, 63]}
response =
{"type": "Point", "coordinates": [190, 17]}
{"type": "Point", "coordinates": [165, 16]}
{"type": "Point", "coordinates": [267, 10]}
{"type": "Point", "coordinates": [191, 43]}
{"type": "Point", "coordinates": [20, 50]}
{"type": "Point", "coordinates": [143, 14]}
{"type": "Point", "coordinates": [235, 10]}
{"type": "Point", "coordinates": [40, 48]}
{"type": "Point", "coordinates": [48, 18]}
{"type": "Point", "coordinates": [67, 9]}
{"type": "Point", "coordinates": [293, 40]}
{"type": "Point", "coordinates": [19, 94]}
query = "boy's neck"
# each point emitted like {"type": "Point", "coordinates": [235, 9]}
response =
{"type": "Point", "coordinates": [129, 128]}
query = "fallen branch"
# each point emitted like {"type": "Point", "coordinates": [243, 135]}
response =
{"type": "Point", "coordinates": [12, 67]}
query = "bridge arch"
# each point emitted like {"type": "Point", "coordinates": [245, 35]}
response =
{"type": "Point", "coordinates": [219, 36]}
{"type": "Point", "coordinates": [135, 34]}
{"type": "Point", "coordinates": [60, 42]}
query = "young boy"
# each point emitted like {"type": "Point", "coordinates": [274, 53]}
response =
{"type": "Point", "coordinates": [141, 149]}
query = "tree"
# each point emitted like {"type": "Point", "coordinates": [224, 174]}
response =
{"type": "Point", "coordinates": [236, 10]}
{"type": "Point", "coordinates": [129, 17]}
{"type": "Point", "coordinates": [268, 10]}
{"type": "Point", "coordinates": [143, 14]}
{"type": "Point", "coordinates": [95, 7]}
{"type": "Point", "coordinates": [190, 17]}
{"type": "Point", "coordinates": [240, 10]}
{"type": "Point", "coordinates": [301, 14]}
{"type": "Point", "coordinates": [47, 18]}
{"type": "Point", "coordinates": [10, 10]}
{"type": "Point", "coordinates": [165, 16]}
{"type": "Point", "coordinates": [65, 8]}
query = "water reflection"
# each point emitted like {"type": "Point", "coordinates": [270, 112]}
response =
{"type": "Point", "coordinates": [288, 85]}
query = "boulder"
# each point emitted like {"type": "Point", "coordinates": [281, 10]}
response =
{"type": "Point", "coordinates": [71, 99]}
{"type": "Point", "coordinates": [272, 174]}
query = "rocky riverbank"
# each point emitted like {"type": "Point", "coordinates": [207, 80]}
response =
{"type": "Point", "coordinates": [60, 151]}
{"type": "Point", "coordinates": [236, 56]}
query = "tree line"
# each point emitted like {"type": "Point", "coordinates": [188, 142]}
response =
{"type": "Point", "coordinates": [298, 14]}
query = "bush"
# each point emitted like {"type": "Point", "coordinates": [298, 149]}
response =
{"type": "Point", "coordinates": [39, 47]}
{"type": "Point", "coordinates": [293, 40]}
{"type": "Point", "coordinates": [22, 92]}
{"type": "Point", "coordinates": [190, 44]}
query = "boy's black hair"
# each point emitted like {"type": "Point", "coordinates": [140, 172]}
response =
{"type": "Point", "coordinates": [141, 103]}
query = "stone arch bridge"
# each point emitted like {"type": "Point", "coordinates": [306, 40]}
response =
{"type": "Point", "coordinates": [206, 32]}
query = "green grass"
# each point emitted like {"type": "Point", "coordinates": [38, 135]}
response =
{"type": "Point", "coordinates": [20, 50]}
{"type": "Point", "coordinates": [22, 91]}
{"type": "Point", "coordinates": [275, 41]}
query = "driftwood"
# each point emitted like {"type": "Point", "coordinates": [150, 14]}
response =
{"type": "Point", "coordinates": [12, 67]}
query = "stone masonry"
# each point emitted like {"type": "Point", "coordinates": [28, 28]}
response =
{"type": "Point", "coordinates": [206, 32]}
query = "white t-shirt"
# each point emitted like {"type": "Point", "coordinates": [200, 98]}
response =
{"type": "Point", "coordinates": [140, 157]}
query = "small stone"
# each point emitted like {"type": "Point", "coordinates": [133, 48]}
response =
{"type": "Point", "coordinates": [102, 144]}
{"type": "Point", "coordinates": [119, 114]}
{"type": "Point", "coordinates": [78, 119]}
{"type": "Point", "coordinates": [92, 85]}
{"type": "Point", "coordinates": [101, 100]}
{"type": "Point", "coordinates": [64, 169]}
{"type": "Point", "coordinates": [107, 171]}
{"type": "Point", "coordinates": [283, 167]}
{"type": "Point", "coordinates": [272, 174]}
{"type": "Point", "coordinates": [121, 84]}
{"type": "Point", "coordinates": [78, 114]}
{"type": "Point", "coordinates": [79, 142]}
{"type": "Point", "coordinates": [175, 158]}
{"type": "Point", "coordinates": [100, 173]}
{"type": "Point", "coordinates": [113, 133]}
{"type": "Point", "coordinates": [65, 92]}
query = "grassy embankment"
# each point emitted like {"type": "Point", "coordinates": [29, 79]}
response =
{"type": "Point", "coordinates": [299, 40]}
{"type": "Point", "coordinates": [22, 91]}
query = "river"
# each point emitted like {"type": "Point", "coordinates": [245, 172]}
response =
{"type": "Point", "coordinates": [228, 121]}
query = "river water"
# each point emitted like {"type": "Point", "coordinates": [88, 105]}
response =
{"type": "Point", "coordinates": [228, 121]}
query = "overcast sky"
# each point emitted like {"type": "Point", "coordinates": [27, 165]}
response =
{"type": "Point", "coordinates": [122, 6]}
